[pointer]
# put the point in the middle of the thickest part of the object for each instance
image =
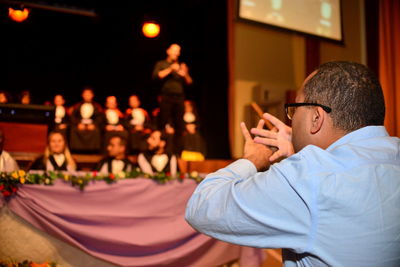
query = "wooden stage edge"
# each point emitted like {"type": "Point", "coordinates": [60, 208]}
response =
{"type": "Point", "coordinates": [87, 162]}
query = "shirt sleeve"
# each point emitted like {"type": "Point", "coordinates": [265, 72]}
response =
{"type": "Point", "coordinates": [157, 68]}
{"type": "Point", "coordinates": [238, 205]}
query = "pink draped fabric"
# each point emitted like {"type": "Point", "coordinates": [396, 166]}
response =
{"type": "Point", "coordinates": [135, 222]}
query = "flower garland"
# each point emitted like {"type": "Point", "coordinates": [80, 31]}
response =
{"type": "Point", "coordinates": [26, 263]}
{"type": "Point", "coordinates": [9, 181]}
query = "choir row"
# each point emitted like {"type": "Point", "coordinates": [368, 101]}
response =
{"type": "Point", "coordinates": [87, 125]}
{"type": "Point", "coordinates": [57, 156]}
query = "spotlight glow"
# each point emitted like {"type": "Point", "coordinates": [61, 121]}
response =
{"type": "Point", "coordinates": [151, 29]}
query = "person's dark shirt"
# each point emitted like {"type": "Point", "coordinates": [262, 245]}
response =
{"type": "Point", "coordinates": [173, 83]}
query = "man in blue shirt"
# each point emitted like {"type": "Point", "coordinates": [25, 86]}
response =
{"type": "Point", "coordinates": [335, 198]}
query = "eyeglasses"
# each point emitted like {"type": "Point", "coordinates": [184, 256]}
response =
{"type": "Point", "coordinates": [290, 108]}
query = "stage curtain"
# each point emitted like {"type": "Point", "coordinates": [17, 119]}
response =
{"type": "Point", "coordinates": [389, 61]}
{"type": "Point", "coordinates": [231, 70]}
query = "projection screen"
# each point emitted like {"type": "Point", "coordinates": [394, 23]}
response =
{"type": "Point", "coordinates": [315, 17]}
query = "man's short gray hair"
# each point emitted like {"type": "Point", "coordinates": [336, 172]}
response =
{"type": "Point", "coordinates": [351, 90]}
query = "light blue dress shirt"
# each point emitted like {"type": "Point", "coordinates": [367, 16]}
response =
{"type": "Point", "coordinates": [334, 207]}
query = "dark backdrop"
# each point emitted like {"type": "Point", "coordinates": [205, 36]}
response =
{"type": "Point", "coordinates": [55, 52]}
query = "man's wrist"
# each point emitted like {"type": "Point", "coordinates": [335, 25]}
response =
{"type": "Point", "coordinates": [253, 160]}
{"type": "Point", "coordinates": [261, 164]}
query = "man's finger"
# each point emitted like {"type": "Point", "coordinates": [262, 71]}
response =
{"type": "Point", "coordinates": [274, 120]}
{"type": "Point", "coordinates": [260, 124]}
{"type": "Point", "coordinates": [264, 133]}
{"type": "Point", "coordinates": [275, 156]}
{"type": "Point", "coordinates": [266, 141]}
{"type": "Point", "coordinates": [245, 132]}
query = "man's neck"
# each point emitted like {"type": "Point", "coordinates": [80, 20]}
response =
{"type": "Point", "coordinates": [331, 138]}
{"type": "Point", "coordinates": [170, 60]}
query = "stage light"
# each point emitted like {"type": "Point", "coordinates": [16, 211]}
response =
{"type": "Point", "coordinates": [18, 15]}
{"type": "Point", "coordinates": [151, 29]}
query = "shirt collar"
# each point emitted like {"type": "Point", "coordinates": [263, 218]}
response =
{"type": "Point", "coordinates": [360, 134]}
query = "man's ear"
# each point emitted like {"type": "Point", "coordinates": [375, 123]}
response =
{"type": "Point", "coordinates": [318, 117]}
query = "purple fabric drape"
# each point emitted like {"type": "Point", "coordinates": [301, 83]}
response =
{"type": "Point", "coordinates": [134, 222]}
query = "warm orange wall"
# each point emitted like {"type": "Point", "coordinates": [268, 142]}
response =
{"type": "Point", "coordinates": [354, 47]}
{"type": "Point", "coordinates": [275, 60]}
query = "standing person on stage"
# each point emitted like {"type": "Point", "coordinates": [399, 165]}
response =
{"type": "Point", "coordinates": [173, 75]}
{"type": "Point", "coordinates": [334, 200]}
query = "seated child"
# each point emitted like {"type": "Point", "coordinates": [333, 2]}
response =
{"type": "Point", "coordinates": [86, 120]}
{"type": "Point", "coordinates": [194, 148]}
{"type": "Point", "coordinates": [137, 121]}
{"type": "Point", "coordinates": [113, 115]}
{"type": "Point", "coordinates": [61, 118]}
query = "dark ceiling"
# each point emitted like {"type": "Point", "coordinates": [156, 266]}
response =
{"type": "Point", "coordinates": [58, 52]}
